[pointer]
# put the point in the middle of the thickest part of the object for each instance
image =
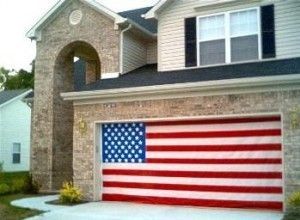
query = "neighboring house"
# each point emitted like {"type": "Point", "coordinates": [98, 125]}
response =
{"type": "Point", "coordinates": [188, 102]}
{"type": "Point", "coordinates": [15, 122]}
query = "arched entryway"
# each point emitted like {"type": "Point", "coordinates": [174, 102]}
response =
{"type": "Point", "coordinates": [77, 64]}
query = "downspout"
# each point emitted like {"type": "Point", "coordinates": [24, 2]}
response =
{"type": "Point", "coordinates": [122, 46]}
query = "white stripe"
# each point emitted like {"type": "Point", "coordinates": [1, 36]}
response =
{"type": "Point", "coordinates": [215, 155]}
{"type": "Point", "coordinates": [215, 141]}
{"type": "Point", "coordinates": [195, 195]}
{"type": "Point", "coordinates": [194, 181]}
{"type": "Point", "coordinates": [197, 167]}
{"type": "Point", "coordinates": [213, 127]}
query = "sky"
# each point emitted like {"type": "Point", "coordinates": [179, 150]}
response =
{"type": "Point", "coordinates": [18, 16]}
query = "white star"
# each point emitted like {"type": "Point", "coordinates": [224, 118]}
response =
{"type": "Point", "coordinates": [105, 125]}
{"type": "Point", "coordinates": [116, 155]}
{"type": "Point", "coordinates": [136, 156]}
{"type": "Point", "coordinates": [119, 134]}
{"type": "Point", "coordinates": [141, 133]}
{"type": "Point", "coordinates": [137, 129]}
{"type": "Point", "coordinates": [126, 142]}
{"type": "Point", "coordinates": [112, 151]}
{"type": "Point", "coordinates": [133, 151]}
{"type": "Point", "coordinates": [129, 138]}
{"type": "Point", "coordinates": [109, 147]}
{"type": "Point", "coordinates": [133, 142]}
{"type": "Point", "coordinates": [122, 147]}
{"type": "Point", "coordinates": [140, 142]}
{"type": "Point", "coordinates": [126, 160]}
{"type": "Point", "coordinates": [119, 125]}
{"type": "Point", "coordinates": [119, 151]}
{"type": "Point", "coordinates": [111, 125]}
{"type": "Point", "coordinates": [126, 125]}
{"type": "Point", "coordinates": [136, 147]}
{"type": "Point", "coordinates": [108, 129]}
{"type": "Point", "coordinates": [113, 143]}
{"type": "Point", "coordinates": [129, 147]}
{"type": "Point", "coordinates": [129, 155]}
{"type": "Point", "coordinates": [116, 129]}
{"type": "Point", "coordinates": [132, 160]}
{"type": "Point", "coordinates": [109, 156]}
{"type": "Point", "coordinates": [122, 155]}
{"type": "Point", "coordinates": [129, 129]}
{"type": "Point", "coordinates": [141, 124]}
{"type": "Point", "coordinates": [122, 129]}
{"type": "Point", "coordinates": [140, 151]}
{"type": "Point", "coordinates": [126, 133]}
{"type": "Point", "coordinates": [140, 160]}
{"type": "Point", "coordinates": [133, 133]}
{"type": "Point", "coordinates": [126, 151]}
{"type": "Point", "coordinates": [119, 160]}
{"type": "Point", "coordinates": [105, 134]}
{"type": "Point", "coordinates": [113, 160]}
{"type": "Point", "coordinates": [106, 143]}
{"type": "Point", "coordinates": [106, 151]}
{"type": "Point", "coordinates": [122, 138]}
{"type": "Point", "coordinates": [112, 134]}
{"type": "Point", "coordinates": [136, 138]}
{"type": "Point", "coordinates": [119, 143]}
{"type": "Point", "coordinates": [109, 138]}
{"type": "Point", "coordinates": [106, 160]}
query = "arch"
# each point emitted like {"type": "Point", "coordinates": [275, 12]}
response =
{"type": "Point", "coordinates": [88, 63]}
{"type": "Point", "coordinates": [66, 79]}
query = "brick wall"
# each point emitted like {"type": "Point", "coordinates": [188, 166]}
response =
{"type": "Point", "coordinates": [52, 133]}
{"type": "Point", "coordinates": [256, 103]}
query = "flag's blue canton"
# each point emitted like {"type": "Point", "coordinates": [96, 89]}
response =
{"type": "Point", "coordinates": [123, 143]}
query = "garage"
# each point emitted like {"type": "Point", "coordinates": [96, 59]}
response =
{"type": "Point", "coordinates": [233, 162]}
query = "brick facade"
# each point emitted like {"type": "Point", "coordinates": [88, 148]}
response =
{"type": "Point", "coordinates": [256, 103]}
{"type": "Point", "coordinates": [53, 119]}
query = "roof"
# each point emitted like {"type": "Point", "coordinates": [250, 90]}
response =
{"type": "Point", "coordinates": [133, 17]}
{"type": "Point", "coordinates": [149, 76]}
{"type": "Point", "coordinates": [8, 95]}
{"type": "Point", "coordinates": [136, 16]}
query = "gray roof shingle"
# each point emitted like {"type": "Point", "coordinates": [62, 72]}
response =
{"type": "Point", "coordinates": [136, 16]}
{"type": "Point", "coordinates": [7, 95]}
{"type": "Point", "coordinates": [149, 76]}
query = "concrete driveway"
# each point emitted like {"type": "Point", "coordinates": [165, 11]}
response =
{"type": "Point", "coordinates": [132, 211]}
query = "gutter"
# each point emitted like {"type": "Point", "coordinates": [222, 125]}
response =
{"type": "Point", "coordinates": [122, 47]}
{"type": "Point", "coordinates": [182, 90]}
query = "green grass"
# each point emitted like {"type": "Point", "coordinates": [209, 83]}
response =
{"type": "Point", "coordinates": [9, 212]}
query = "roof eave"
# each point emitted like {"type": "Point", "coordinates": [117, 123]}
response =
{"type": "Point", "coordinates": [181, 90]}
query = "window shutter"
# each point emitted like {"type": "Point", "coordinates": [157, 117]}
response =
{"type": "Point", "coordinates": [268, 31]}
{"type": "Point", "coordinates": [190, 42]}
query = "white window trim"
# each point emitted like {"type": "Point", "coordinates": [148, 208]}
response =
{"type": "Point", "coordinates": [13, 152]}
{"type": "Point", "coordinates": [228, 36]}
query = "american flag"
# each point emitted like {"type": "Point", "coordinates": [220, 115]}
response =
{"type": "Point", "coordinates": [231, 163]}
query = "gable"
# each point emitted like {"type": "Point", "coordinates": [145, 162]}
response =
{"type": "Point", "coordinates": [163, 4]}
{"type": "Point", "coordinates": [35, 31]}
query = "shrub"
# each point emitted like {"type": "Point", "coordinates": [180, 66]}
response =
{"type": "Point", "coordinates": [17, 185]}
{"type": "Point", "coordinates": [30, 185]}
{"type": "Point", "coordinates": [69, 194]}
{"type": "Point", "coordinates": [294, 200]}
{"type": "Point", "coordinates": [4, 189]}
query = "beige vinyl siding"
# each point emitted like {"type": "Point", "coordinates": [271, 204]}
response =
{"type": "Point", "coordinates": [152, 52]}
{"type": "Point", "coordinates": [134, 52]}
{"type": "Point", "coordinates": [171, 51]}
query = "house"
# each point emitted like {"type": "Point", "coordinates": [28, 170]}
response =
{"type": "Point", "coordinates": [187, 103]}
{"type": "Point", "coordinates": [15, 122]}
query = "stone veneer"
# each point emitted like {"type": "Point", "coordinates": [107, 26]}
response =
{"type": "Point", "coordinates": [52, 133]}
{"type": "Point", "coordinates": [257, 103]}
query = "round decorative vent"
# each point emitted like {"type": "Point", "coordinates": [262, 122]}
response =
{"type": "Point", "coordinates": [75, 17]}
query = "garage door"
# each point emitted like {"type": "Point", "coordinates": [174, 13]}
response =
{"type": "Point", "coordinates": [231, 163]}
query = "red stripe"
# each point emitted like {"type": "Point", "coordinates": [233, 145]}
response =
{"type": "Point", "coordinates": [250, 147]}
{"type": "Point", "coordinates": [215, 161]}
{"type": "Point", "coordinates": [194, 202]}
{"type": "Point", "coordinates": [216, 134]}
{"type": "Point", "coordinates": [200, 188]}
{"type": "Point", "coordinates": [216, 121]}
{"type": "Point", "coordinates": [194, 174]}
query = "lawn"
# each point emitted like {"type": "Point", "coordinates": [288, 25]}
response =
{"type": "Point", "coordinates": [8, 212]}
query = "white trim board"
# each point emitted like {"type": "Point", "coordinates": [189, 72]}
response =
{"type": "Point", "coordinates": [183, 90]}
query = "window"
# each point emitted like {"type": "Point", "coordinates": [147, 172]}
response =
{"type": "Point", "coordinates": [229, 37]}
{"type": "Point", "coordinates": [16, 155]}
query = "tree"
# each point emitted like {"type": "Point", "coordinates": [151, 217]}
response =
{"type": "Point", "coordinates": [21, 80]}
